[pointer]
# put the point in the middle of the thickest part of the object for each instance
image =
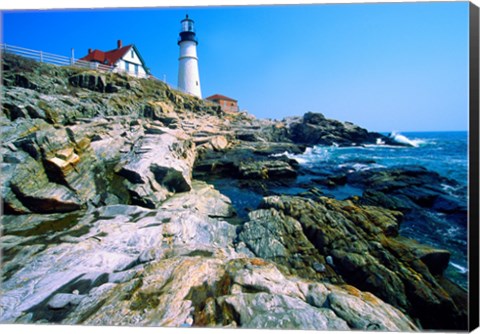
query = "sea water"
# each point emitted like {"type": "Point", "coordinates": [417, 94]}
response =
{"type": "Point", "coordinates": [443, 152]}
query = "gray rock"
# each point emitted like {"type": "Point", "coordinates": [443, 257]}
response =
{"type": "Point", "coordinates": [273, 236]}
{"type": "Point", "coordinates": [158, 162]}
{"type": "Point", "coordinates": [262, 310]}
{"type": "Point", "coordinates": [62, 300]}
{"type": "Point", "coordinates": [319, 267]}
{"type": "Point", "coordinates": [362, 315]}
{"type": "Point", "coordinates": [112, 211]}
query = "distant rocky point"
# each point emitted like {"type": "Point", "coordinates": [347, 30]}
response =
{"type": "Point", "coordinates": [108, 219]}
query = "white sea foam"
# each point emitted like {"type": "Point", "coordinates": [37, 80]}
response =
{"type": "Point", "coordinates": [310, 156]}
{"type": "Point", "coordinates": [460, 268]}
{"type": "Point", "coordinates": [297, 157]}
{"type": "Point", "coordinates": [359, 166]}
{"type": "Point", "coordinates": [448, 188]}
{"type": "Point", "coordinates": [379, 146]}
{"type": "Point", "coordinates": [401, 139]}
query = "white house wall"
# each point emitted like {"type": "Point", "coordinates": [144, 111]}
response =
{"type": "Point", "coordinates": [122, 64]}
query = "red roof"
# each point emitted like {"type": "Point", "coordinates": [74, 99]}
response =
{"type": "Point", "coordinates": [108, 57]}
{"type": "Point", "coordinates": [220, 97]}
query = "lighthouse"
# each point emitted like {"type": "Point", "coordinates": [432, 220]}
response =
{"type": "Point", "coordinates": [188, 76]}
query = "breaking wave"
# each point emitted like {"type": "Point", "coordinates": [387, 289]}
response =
{"type": "Point", "coordinates": [402, 139]}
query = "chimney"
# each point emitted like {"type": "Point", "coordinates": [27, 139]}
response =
{"type": "Point", "coordinates": [119, 44]}
{"type": "Point", "coordinates": [89, 51]}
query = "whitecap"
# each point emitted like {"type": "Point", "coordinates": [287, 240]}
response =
{"type": "Point", "coordinates": [401, 139]}
{"type": "Point", "coordinates": [459, 268]}
{"type": "Point", "coordinates": [379, 146]}
{"type": "Point", "coordinates": [448, 188]}
{"type": "Point", "coordinates": [311, 155]}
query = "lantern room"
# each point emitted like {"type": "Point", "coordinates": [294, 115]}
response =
{"type": "Point", "coordinates": [187, 30]}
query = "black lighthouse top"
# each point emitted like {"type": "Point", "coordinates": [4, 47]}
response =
{"type": "Point", "coordinates": [187, 31]}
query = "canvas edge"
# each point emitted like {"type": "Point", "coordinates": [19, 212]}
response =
{"type": "Point", "coordinates": [473, 311]}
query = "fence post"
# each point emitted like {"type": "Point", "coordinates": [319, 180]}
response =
{"type": "Point", "coordinates": [41, 57]}
{"type": "Point", "coordinates": [72, 61]}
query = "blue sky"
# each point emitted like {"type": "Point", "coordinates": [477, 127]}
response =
{"type": "Point", "coordinates": [393, 66]}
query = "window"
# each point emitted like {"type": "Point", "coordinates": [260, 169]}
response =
{"type": "Point", "coordinates": [132, 54]}
{"type": "Point", "coordinates": [136, 69]}
{"type": "Point", "coordinates": [127, 67]}
{"type": "Point", "coordinates": [197, 83]}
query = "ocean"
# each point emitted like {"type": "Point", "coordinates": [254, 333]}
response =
{"type": "Point", "coordinates": [443, 152]}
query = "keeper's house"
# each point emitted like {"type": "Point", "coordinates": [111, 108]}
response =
{"type": "Point", "coordinates": [122, 59]}
{"type": "Point", "coordinates": [226, 103]}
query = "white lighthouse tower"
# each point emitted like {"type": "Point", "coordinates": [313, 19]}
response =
{"type": "Point", "coordinates": [188, 77]}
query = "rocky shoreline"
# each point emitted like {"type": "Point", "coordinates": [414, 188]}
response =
{"type": "Point", "coordinates": [109, 217]}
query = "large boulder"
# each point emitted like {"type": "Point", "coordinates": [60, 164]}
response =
{"type": "Point", "coordinates": [56, 169]}
{"type": "Point", "coordinates": [157, 164]}
{"type": "Point", "coordinates": [315, 129]}
{"type": "Point", "coordinates": [272, 236]}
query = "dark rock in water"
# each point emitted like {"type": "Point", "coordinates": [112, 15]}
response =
{"type": "Point", "coordinates": [409, 189]}
{"type": "Point", "coordinates": [315, 129]}
{"type": "Point", "coordinates": [314, 118]}
{"type": "Point", "coordinates": [365, 248]}
{"type": "Point", "coordinates": [278, 148]}
{"type": "Point", "coordinates": [266, 170]}
{"type": "Point", "coordinates": [449, 204]}
{"type": "Point", "coordinates": [245, 163]}
{"type": "Point", "coordinates": [332, 181]}
{"type": "Point", "coordinates": [436, 260]}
